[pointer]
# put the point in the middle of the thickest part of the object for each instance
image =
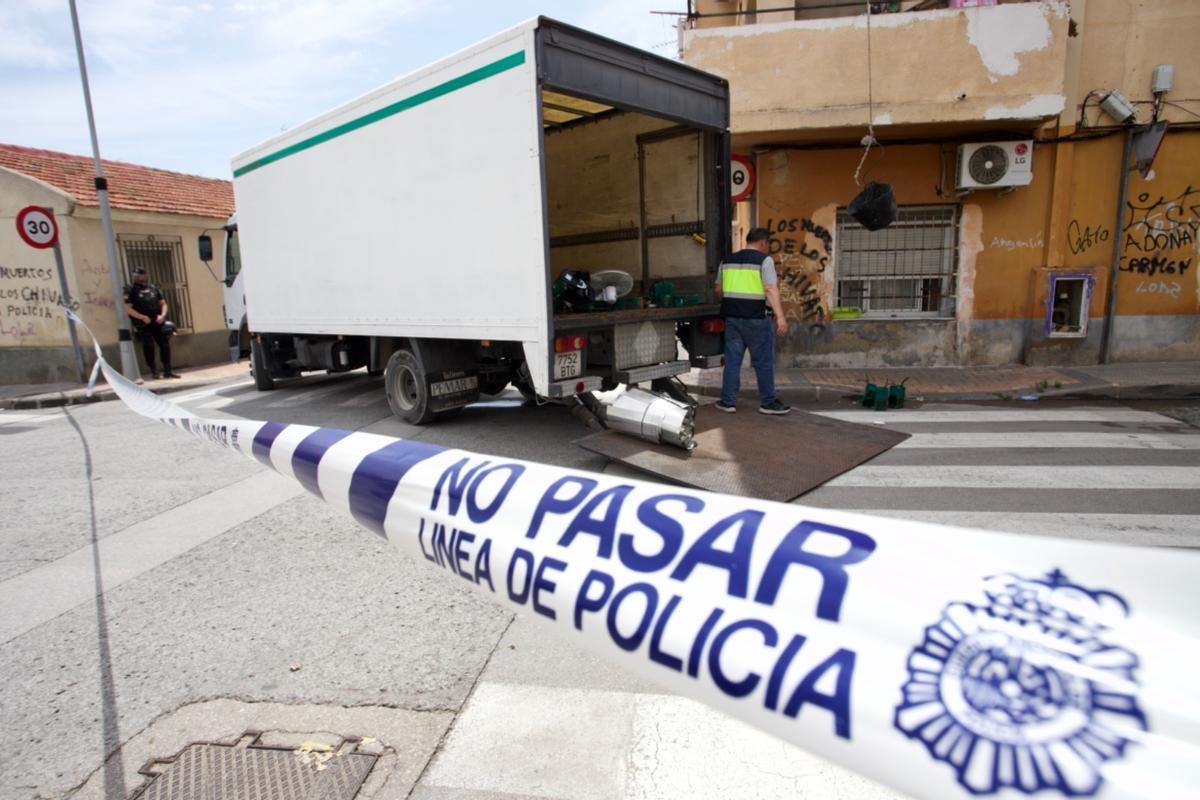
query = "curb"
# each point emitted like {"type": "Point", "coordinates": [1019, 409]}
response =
{"type": "Point", "coordinates": [1154, 391]}
{"type": "Point", "coordinates": [79, 397]}
{"type": "Point", "coordinates": [793, 394]}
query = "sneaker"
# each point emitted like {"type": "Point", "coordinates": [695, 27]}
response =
{"type": "Point", "coordinates": [172, 375]}
{"type": "Point", "coordinates": [774, 407]}
{"type": "Point", "coordinates": [727, 409]}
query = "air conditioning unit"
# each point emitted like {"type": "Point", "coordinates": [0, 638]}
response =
{"type": "Point", "coordinates": [995, 165]}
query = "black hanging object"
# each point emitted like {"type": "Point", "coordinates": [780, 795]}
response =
{"type": "Point", "coordinates": [874, 207]}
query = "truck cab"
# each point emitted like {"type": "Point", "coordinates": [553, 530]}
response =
{"type": "Point", "coordinates": [234, 293]}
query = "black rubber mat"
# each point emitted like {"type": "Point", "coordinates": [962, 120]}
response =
{"type": "Point", "coordinates": [751, 454]}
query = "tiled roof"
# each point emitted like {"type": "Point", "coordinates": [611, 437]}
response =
{"type": "Point", "coordinates": [130, 186]}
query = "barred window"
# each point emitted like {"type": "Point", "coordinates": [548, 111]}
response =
{"type": "Point", "coordinates": [162, 258]}
{"type": "Point", "coordinates": [908, 269]}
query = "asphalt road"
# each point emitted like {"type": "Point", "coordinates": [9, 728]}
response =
{"type": "Point", "coordinates": [226, 600]}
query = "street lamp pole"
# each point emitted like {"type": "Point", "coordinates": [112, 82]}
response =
{"type": "Point", "coordinates": [129, 366]}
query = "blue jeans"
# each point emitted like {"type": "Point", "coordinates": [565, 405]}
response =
{"type": "Point", "coordinates": [759, 336]}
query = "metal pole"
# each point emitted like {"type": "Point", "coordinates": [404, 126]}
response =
{"type": "Point", "coordinates": [66, 298]}
{"type": "Point", "coordinates": [1110, 314]}
{"type": "Point", "coordinates": [129, 366]}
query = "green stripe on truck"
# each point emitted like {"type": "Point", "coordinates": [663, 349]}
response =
{"type": "Point", "coordinates": [474, 76]}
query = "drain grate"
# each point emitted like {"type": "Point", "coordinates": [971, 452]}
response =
{"type": "Point", "coordinates": [247, 770]}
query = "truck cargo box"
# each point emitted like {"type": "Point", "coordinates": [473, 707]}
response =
{"type": "Point", "coordinates": [445, 205]}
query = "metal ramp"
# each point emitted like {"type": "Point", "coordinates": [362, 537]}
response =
{"type": "Point", "coordinates": [751, 454]}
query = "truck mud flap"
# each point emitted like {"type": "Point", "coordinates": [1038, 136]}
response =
{"type": "Point", "coordinates": [753, 455]}
{"type": "Point", "coordinates": [452, 389]}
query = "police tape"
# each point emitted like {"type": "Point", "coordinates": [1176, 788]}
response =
{"type": "Point", "coordinates": [942, 661]}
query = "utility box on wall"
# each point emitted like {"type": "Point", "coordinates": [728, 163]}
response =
{"type": "Point", "coordinates": [1067, 319]}
{"type": "Point", "coordinates": [1067, 307]}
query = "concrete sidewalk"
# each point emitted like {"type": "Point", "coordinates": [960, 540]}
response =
{"type": "Point", "coordinates": [1125, 381]}
{"type": "Point", "coordinates": [53, 395]}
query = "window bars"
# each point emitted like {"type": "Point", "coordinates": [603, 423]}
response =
{"type": "Point", "coordinates": [908, 269]}
{"type": "Point", "coordinates": [162, 258]}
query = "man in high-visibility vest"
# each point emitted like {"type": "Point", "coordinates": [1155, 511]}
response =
{"type": "Point", "coordinates": [746, 283]}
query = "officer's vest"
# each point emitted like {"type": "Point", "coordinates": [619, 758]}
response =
{"type": "Point", "coordinates": [742, 286]}
{"type": "Point", "coordinates": [145, 299]}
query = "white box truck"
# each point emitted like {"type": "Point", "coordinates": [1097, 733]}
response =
{"type": "Point", "coordinates": [424, 229]}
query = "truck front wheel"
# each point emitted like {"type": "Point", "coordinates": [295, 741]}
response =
{"type": "Point", "coordinates": [258, 366]}
{"type": "Point", "coordinates": [407, 391]}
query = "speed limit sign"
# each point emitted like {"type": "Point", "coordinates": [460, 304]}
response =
{"type": "Point", "coordinates": [741, 178]}
{"type": "Point", "coordinates": [37, 227]}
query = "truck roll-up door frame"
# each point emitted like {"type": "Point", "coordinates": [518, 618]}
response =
{"type": "Point", "coordinates": [575, 62]}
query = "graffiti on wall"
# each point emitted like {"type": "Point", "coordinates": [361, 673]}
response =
{"type": "Point", "coordinates": [802, 250]}
{"type": "Point", "coordinates": [785, 243]}
{"type": "Point", "coordinates": [95, 287]}
{"type": "Point", "coordinates": [1032, 243]}
{"type": "Point", "coordinates": [31, 301]}
{"type": "Point", "coordinates": [807, 318]}
{"type": "Point", "coordinates": [797, 291]}
{"type": "Point", "coordinates": [1081, 238]}
{"type": "Point", "coordinates": [29, 297]}
{"type": "Point", "coordinates": [1160, 241]}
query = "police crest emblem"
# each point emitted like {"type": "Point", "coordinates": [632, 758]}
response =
{"type": "Point", "coordinates": [1025, 692]}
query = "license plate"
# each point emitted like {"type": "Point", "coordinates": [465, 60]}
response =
{"type": "Point", "coordinates": [454, 386]}
{"type": "Point", "coordinates": [568, 365]}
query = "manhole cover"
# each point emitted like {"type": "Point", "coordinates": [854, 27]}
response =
{"type": "Point", "coordinates": [249, 771]}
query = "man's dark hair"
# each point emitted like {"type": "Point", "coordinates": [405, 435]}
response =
{"type": "Point", "coordinates": [757, 235]}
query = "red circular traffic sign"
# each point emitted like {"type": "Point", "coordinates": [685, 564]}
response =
{"type": "Point", "coordinates": [741, 178]}
{"type": "Point", "coordinates": [37, 227]}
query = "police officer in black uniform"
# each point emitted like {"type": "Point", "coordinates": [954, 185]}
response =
{"type": "Point", "coordinates": [148, 309]}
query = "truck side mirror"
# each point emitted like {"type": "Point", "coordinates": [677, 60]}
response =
{"type": "Point", "coordinates": [206, 251]}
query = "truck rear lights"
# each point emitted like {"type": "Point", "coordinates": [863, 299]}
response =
{"type": "Point", "coordinates": [712, 325]}
{"type": "Point", "coordinates": [567, 344]}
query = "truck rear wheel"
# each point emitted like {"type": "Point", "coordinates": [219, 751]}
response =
{"type": "Point", "coordinates": [407, 391]}
{"type": "Point", "coordinates": [258, 366]}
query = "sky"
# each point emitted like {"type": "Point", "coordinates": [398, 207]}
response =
{"type": "Point", "coordinates": [186, 85]}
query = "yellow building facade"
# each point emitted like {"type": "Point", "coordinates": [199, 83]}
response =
{"type": "Point", "coordinates": [996, 133]}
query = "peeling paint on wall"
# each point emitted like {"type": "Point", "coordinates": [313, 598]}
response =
{"type": "Point", "coordinates": [878, 21]}
{"type": "Point", "coordinates": [1038, 106]}
{"type": "Point", "coordinates": [802, 248]}
{"type": "Point", "coordinates": [970, 245]}
{"type": "Point", "coordinates": [1006, 31]}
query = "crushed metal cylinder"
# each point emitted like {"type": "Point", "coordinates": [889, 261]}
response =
{"type": "Point", "coordinates": [653, 417]}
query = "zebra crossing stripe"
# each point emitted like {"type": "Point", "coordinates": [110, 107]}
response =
{"type": "Point", "coordinates": [1041, 440]}
{"type": "Point", "coordinates": [945, 662]}
{"type": "Point", "coordinates": [1020, 477]}
{"type": "Point", "coordinates": [1158, 530]}
{"type": "Point", "coordinates": [1002, 415]}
